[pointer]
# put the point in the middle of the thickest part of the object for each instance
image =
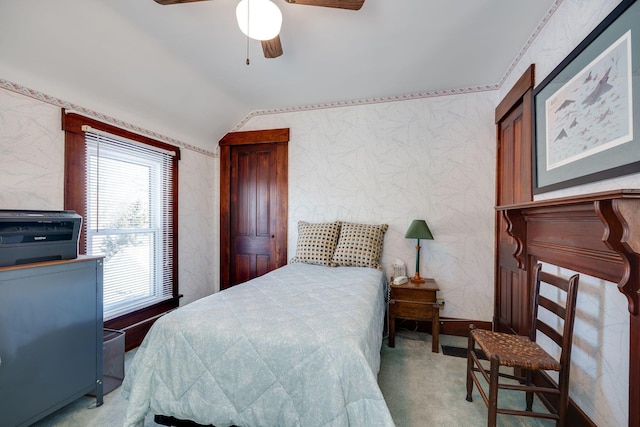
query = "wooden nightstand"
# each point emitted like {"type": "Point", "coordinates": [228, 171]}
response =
{"type": "Point", "coordinates": [415, 301]}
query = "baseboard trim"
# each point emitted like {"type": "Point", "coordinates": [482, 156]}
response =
{"type": "Point", "coordinates": [448, 326]}
{"type": "Point", "coordinates": [460, 327]}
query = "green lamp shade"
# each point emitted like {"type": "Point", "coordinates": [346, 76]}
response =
{"type": "Point", "coordinates": [418, 230]}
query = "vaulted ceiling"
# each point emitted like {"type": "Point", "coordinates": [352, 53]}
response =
{"type": "Point", "coordinates": [180, 70]}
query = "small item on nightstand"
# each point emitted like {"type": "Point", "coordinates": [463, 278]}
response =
{"type": "Point", "coordinates": [418, 230]}
{"type": "Point", "coordinates": [399, 268]}
{"type": "Point", "coordinates": [400, 280]}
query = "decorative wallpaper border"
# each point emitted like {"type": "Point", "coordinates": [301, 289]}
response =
{"type": "Point", "coordinates": [366, 101]}
{"type": "Point", "coordinates": [534, 35]}
{"type": "Point", "coordinates": [14, 87]}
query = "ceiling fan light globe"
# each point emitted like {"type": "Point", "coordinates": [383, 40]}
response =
{"type": "Point", "coordinates": [265, 19]}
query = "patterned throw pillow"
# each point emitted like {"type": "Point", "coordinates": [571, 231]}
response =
{"type": "Point", "coordinates": [359, 245]}
{"type": "Point", "coordinates": [316, 242]}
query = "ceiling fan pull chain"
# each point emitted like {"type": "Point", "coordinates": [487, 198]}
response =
{"type": "Point", "coordinates": [248, 62]}
{"type": "Point", "coordinates": [248, 14]}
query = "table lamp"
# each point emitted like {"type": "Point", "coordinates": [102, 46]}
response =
{"type": "Point", "coordinates": [418, 230]}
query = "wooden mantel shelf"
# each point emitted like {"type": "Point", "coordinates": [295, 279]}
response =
{"type": "Point", "coordinates": [596, 234]}
{"type": "Point", "coordinates": [590, 197]}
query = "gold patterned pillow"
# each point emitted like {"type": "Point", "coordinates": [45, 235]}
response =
{"type": "Point", "coordinates": [359, 245]}
{"type": "Point", "coordinates": [316, 242]}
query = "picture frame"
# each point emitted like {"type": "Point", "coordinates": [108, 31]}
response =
{"type": "Point", "coordinates": [587, 110]}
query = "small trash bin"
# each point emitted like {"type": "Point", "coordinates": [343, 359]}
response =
{"type": "Point", "coordinates": [112, 360]}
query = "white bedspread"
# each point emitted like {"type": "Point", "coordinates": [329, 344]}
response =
{"type": "Point", "coordinates": [299, 346]}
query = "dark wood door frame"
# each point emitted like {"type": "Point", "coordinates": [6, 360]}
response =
{"type": "Point", "coordinates": [279, 137]}
{"type": "Point", "coordinates": [514, 129]}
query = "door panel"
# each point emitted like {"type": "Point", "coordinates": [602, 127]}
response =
{"type": "Point", "coordinates": [514, 185]}
{"type": "Point", "coordinates": [511, 297]}
{"type": "Point", "coordinates": [253, 187]}
{"type": "Point", "coordinates": [242, 264]}
{"type": "Point", "coordinates": [263, 265]}
{"type": "Point", "coordinates": [509, 288]}
{"type": "Point", "coordinates": [253, 204]}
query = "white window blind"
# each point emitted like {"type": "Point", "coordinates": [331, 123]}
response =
{"type": "Point", "coordinates": [129, 215]}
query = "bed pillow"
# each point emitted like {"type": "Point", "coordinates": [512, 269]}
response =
{"type": "Point", "coordinates": [359, 245]}
{"type": "Point", "coordinates": [316, 242]}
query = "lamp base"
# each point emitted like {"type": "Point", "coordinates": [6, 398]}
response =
{"type": "Point", "coordinates": [417, 279]}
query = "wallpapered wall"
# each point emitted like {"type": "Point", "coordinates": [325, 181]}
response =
{"type": "Point", "coordinates": [32, 174]}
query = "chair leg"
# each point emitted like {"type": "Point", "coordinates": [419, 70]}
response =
{"type": "Point", "coordinates": [469, 369]}
{"type": "Point", "coordinates": [493, 392]}
{"type": "Point", "coordinates": [529, 398]}
{"type": "Point", "coordinates": [563, 403]}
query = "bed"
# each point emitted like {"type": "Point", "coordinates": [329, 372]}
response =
{"type": "Point", "coordinates": [299, 346]}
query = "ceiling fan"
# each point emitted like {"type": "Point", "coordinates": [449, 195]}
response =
{"type": "Point", "coordinates": [272, 48]}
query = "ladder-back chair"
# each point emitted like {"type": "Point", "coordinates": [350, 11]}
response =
{"type": "Point", "coordinates": [525, 355]}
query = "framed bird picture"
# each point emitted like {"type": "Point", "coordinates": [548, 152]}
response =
{"type": "Point", "coordinates": [587, 111]}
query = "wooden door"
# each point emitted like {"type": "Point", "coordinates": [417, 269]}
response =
{"type": "Point", "coordinates": [513, 185]}
{"type": "Point", "coordinates": [253, 204]}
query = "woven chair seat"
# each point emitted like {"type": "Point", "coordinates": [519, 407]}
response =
{"type": "Point", "coordinates": [514, 350]}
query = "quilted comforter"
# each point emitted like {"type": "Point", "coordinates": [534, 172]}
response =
{"type": "Point", "coordinates": [299, 346]}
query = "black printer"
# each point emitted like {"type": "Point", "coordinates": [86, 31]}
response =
{"type": "Point", "coordinates": [36, 236]}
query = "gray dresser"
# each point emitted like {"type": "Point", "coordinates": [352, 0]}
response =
{"type": "Point", "coordinates": [50, 337]}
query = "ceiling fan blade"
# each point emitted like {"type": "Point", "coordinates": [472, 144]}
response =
{"type": "Point", "coordinates": [166, 2]}
{"type": "Point", "coordinates": [272, 48]}
{"type": "Point", "coordinates": [338, 4]}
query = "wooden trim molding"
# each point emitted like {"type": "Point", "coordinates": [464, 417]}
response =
{"type": "Point", "coordinates": [523, 86]}
{"type": "Point", "coordinates": [448, 326]}
{"type": "Point", "coordinates": [255, 137]}
{"type": "Point", "coordinates": [460, 327]}
{"type": "Point", "coordinates": [73, 122]}
{"type": "Point", "coordinates": [136, 325]}
{"type": "Point", "coordinates": [596, 234]}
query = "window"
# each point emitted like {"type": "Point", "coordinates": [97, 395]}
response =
{"type": "Point", "coordinates": [128, 220]}
{"type": "Point", "coordinates": [124, 185]}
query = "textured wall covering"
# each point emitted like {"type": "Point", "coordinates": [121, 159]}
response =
{"type": "Point", "coordinates": [198, 243]}
{"type": "Point", "coordinates": [32, 176]}
{"type": "Point", "coordinates": [31, 154]}
{"type": "Point", "coordinates": [430, 159]}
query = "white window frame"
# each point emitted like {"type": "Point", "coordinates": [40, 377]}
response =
{"type": "Point", "coordinates": [99, 147]}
